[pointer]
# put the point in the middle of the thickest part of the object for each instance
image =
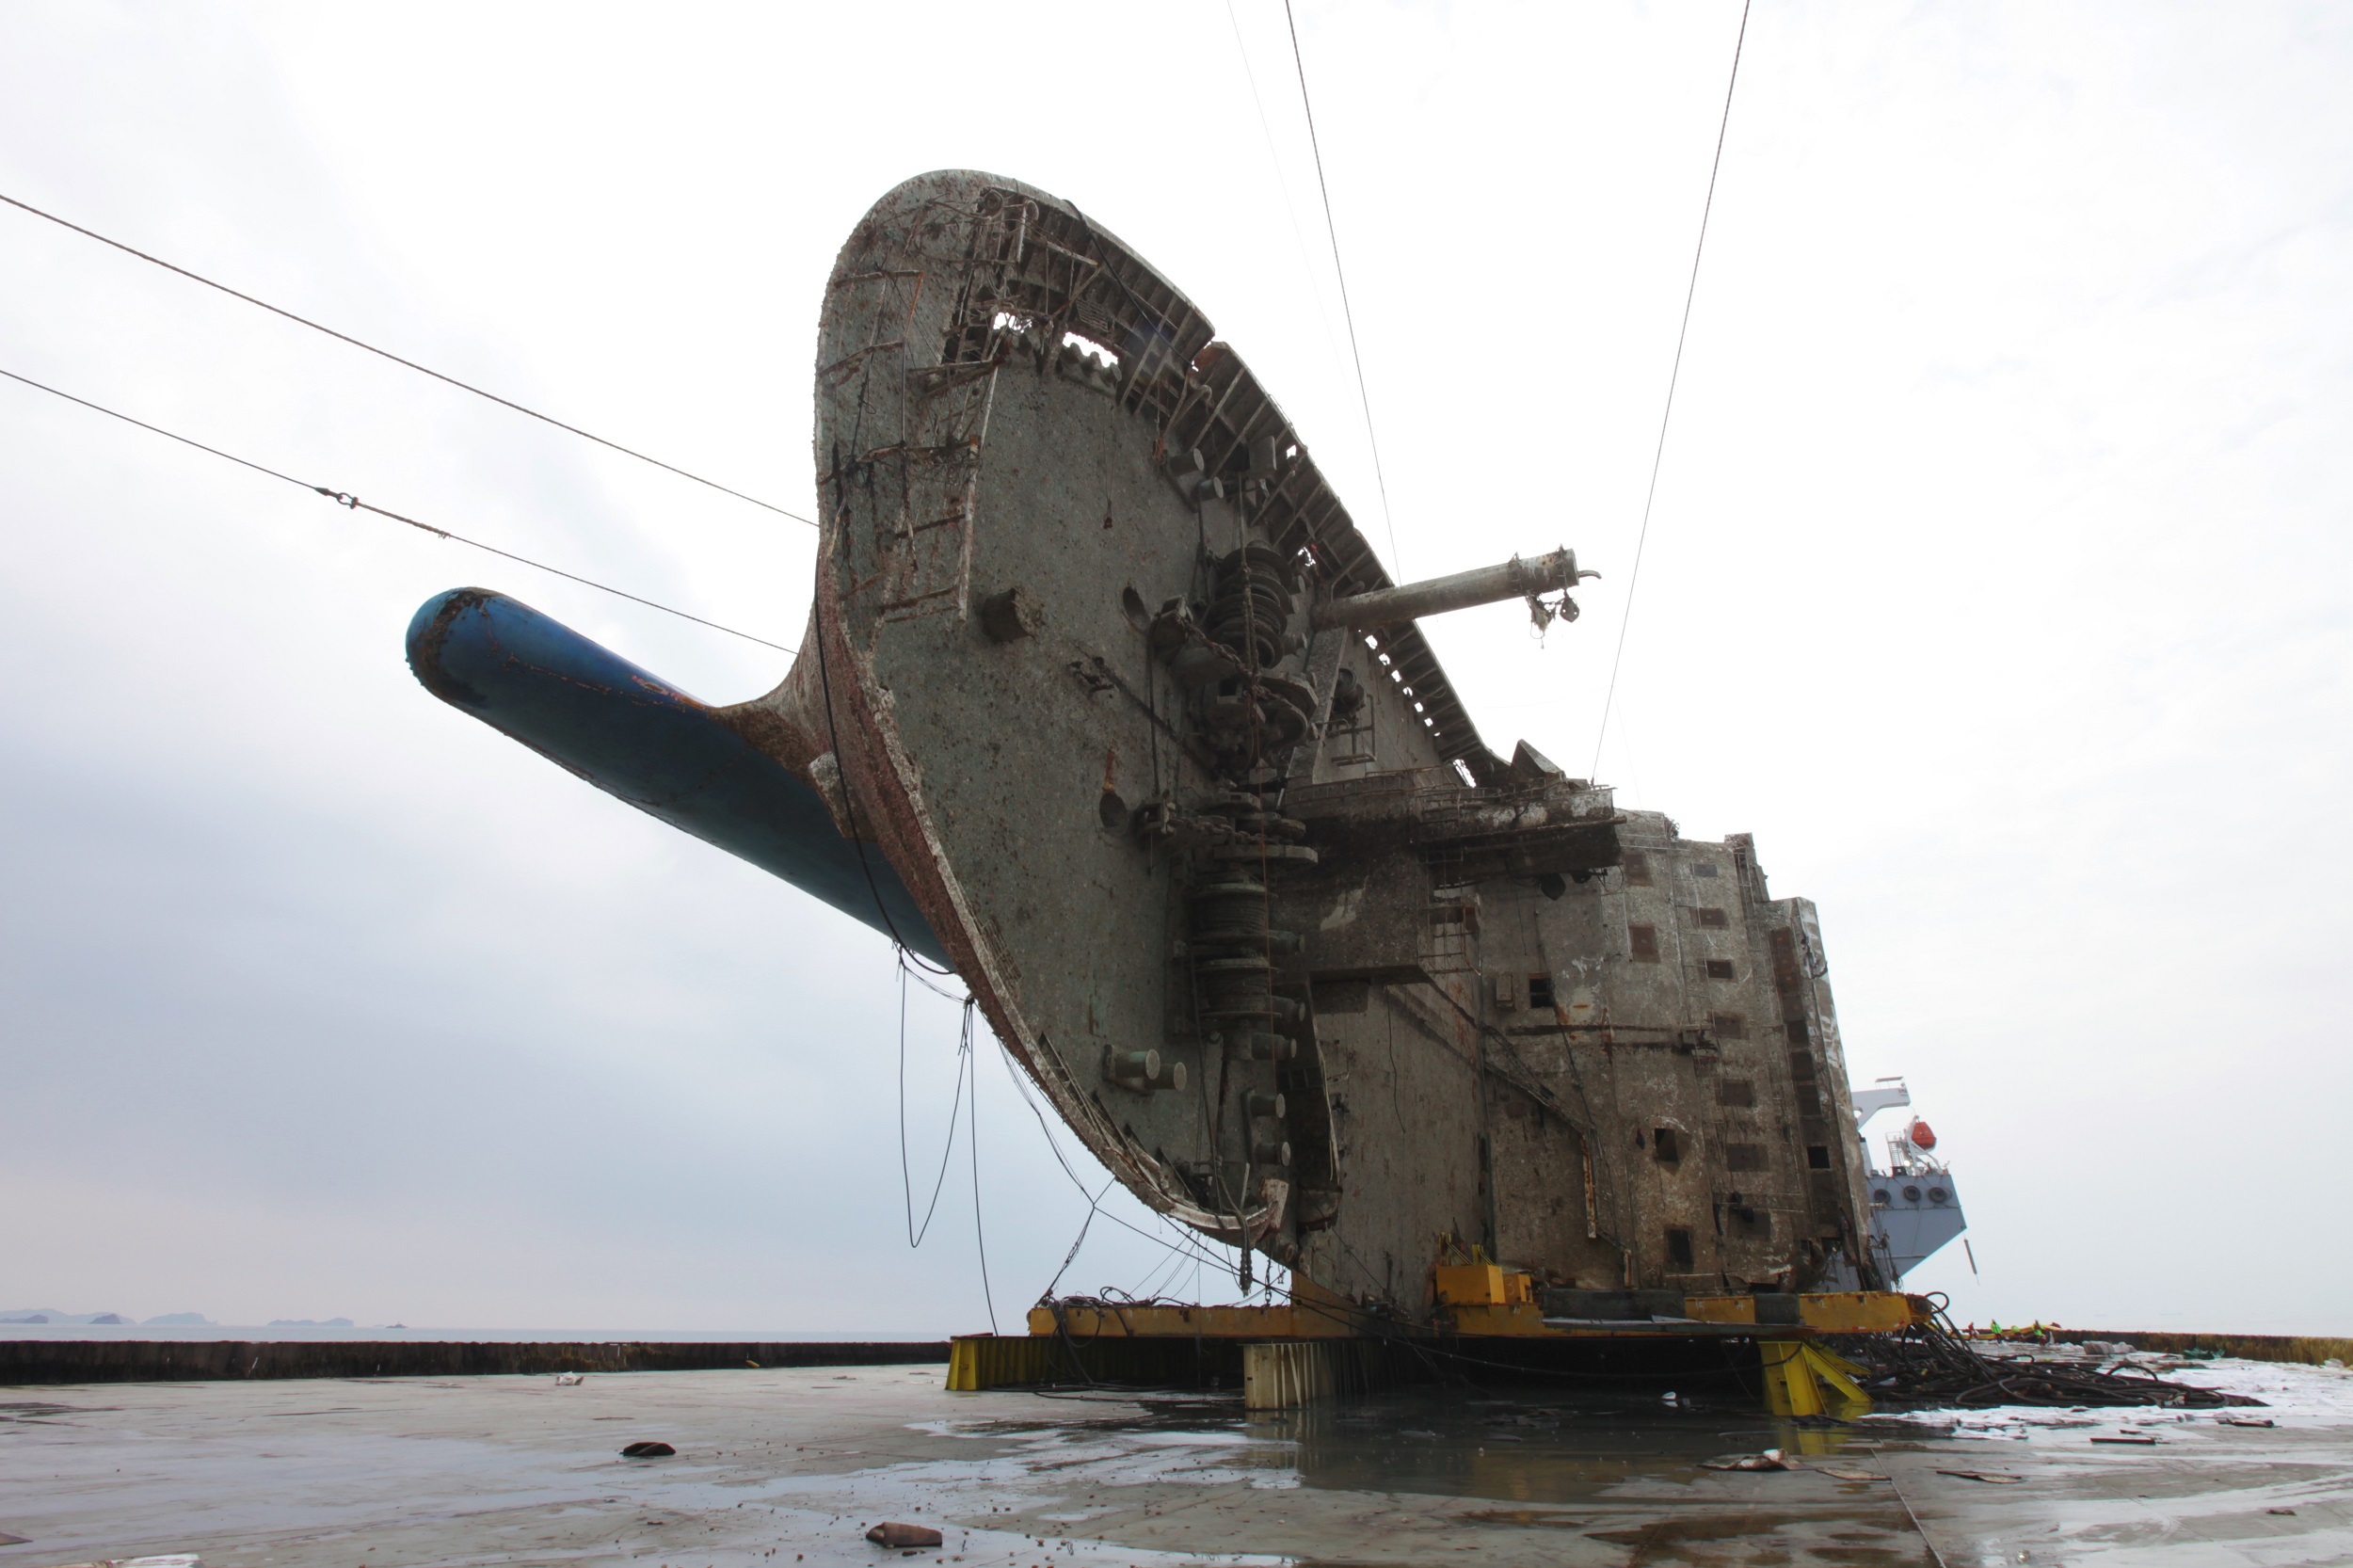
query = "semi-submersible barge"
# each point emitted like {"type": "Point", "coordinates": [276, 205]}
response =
{"type": "Point", "coordinates": [1106, 705]}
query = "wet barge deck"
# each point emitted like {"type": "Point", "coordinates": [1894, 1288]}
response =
{"type": "Point", "coordinates": [792, 1465]}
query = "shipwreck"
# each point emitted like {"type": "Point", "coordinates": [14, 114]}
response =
{"type": "Point", "coordinates": [1106, 704]}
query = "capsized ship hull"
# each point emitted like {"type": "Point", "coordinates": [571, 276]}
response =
{"type": "Point", "coordinates": [1105, 703]}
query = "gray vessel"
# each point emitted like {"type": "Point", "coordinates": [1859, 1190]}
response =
{"type": "Point", "coordinates": [1916, 1203]}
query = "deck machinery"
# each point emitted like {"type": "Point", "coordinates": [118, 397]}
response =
{"type": "Point", "coordinates": [1106, 705]}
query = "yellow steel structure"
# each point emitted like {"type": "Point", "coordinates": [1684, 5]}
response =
{"type": "Point", "coordinates": [977, 1361]}
{"type": "Point", "coordinates": [1482, 1285]}
{"type": "Point", "coordinates": [1319, 1344]}
{"type": "Point", "coordinates": [1803, 1379]}
{"type": "Point", "coordinates": [1829, 1312]}
{"type": "Point", "coordinates": [1864, 1311]}
{"type": "Point", "coordinates": [1514, 1318]}
{"type": "Point", "coordinates": [1474, 1299]}
{"type": "Point", "coordinates": [1288, 1376]}
{"type": "Point", "coordinates": [1721, 1309]}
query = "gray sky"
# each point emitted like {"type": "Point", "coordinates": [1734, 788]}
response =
{"type": "Point", "coordinates": [1997, 582]}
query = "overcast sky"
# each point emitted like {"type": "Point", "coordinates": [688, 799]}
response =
{"type": "Point", "coordinates": [1997, 582]}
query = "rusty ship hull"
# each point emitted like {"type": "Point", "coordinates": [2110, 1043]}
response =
{"type": "Point", "coordinates": [1106, 704]}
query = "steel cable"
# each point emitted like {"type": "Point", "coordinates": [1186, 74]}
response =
{"type": "Point", "coordinates": [955, 1105]}
{"type": "Point", "coordinates": [407, 364]}
{"type": "Point", "coordinates": [352, 502]}
{"type": "Point", "coordinates": [1347, 311]}
{"type": "Point", "coordinates": [1933, 1364]}
{"type": "Point", "coordinates": [1674, 375]}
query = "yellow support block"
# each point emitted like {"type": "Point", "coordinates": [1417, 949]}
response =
{"type": "Point", "coordinates": [1830, 1311]}
{"type": "Point", "coordinates": [978, 1360]}
{"type": "Point", "coordinates": [1803, 1379]}
{"type": "Point", "coordinates": [1470, 1285]}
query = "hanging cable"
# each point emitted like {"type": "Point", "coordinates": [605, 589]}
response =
{"type": "Point", "coordinates": [1362, 395]}
{"type": "Point", "coordinates": [964, 1062]}
{"type": "Point", "coordinates": [1634, 578]}
{"type": "Point", "coordinates": [967, 1063]}
{"type": "Point", "coordinates": [1054, 1148]}
{"type": "Point", "coordinates": [1095, 1206]}
{"type": "Point", "coordinates": [919, 973]}
{"type": "Point", "coordinates": [1191, 1252]}
{"type": "Point", "coordinates": [409, 364]}
{"type": "Point", "coordinates": [352, 502]}
{"type": "Point", "coordinates": [1290, 209]}
{"type": "Point", "coordinates": [1159, 1277]}
{"type": "Point", "coordinates": [972, 1126]}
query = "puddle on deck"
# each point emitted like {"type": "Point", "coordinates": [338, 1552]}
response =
{"type": "Point", "coordinates": [1540, 1448]}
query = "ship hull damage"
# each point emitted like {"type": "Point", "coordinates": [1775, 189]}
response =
{"type": "Point", "coordinates": [1099, 667]}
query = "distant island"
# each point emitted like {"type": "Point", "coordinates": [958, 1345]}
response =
{"type": "Point", "coordinates": [37, 1317]}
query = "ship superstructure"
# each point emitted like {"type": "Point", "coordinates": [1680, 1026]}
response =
{"type": "Point", "coordinates": [1916, 1203]}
